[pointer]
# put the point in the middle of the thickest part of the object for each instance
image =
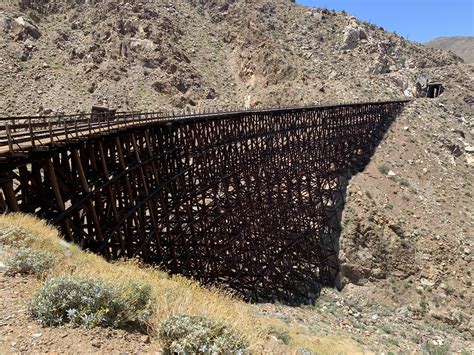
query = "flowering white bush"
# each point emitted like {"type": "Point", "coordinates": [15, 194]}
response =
{"type": "Point", "coordinates": [196, 334]}
{"type": "Point", "coordinates": [29, 262]}
{"type": "Point", "coordinates": [90, 303]}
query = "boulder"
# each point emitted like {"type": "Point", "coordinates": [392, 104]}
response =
{"type": "Point", "coordinates": [24, 28]}
{"type": "Point", "coordinates": [353, 34]}
{"type": "Point", "coordinates": [380, 65]}
{"type": "Point", "coordinates": [137, 44]}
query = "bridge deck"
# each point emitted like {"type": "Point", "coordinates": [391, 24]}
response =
{"type": "Point", "coordinates": [23, 134]}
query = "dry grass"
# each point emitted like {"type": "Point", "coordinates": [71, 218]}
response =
{"type": "Point", "coordinates": [174, 295]}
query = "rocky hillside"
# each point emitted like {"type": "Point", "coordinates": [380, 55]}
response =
{"type": "Point", "coordinates": [66, 55]}
{"type": "Point", "coordinates": [408, 237]}
{"type": "Point", "coordinates": [462, 46]}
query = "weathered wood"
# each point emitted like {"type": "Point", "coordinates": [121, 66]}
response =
{"type": "Point", "coordinates": [9, 138]}
{"type": "Point", "coordinates": [250, 199]}
{"type": "Point", "coordinates": [10, 196]}
{"type": "Point", "coordinates": [85, 186]}
{"type": "Point", "coordinates": [106, 176]}
{"type": "Point", "coordinates": [3, 203]}
{"type": "Point", "coordinates": [49, 169]}
{"type": "Point", "coordinates": [32, 135]}
{"type": "Point", "coordinates": [54, 184]}
{"type": "Point", "coordinates": [151, 207]}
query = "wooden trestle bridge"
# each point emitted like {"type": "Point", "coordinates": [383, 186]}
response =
{"type": "Point", "coordinates": [250, 199]}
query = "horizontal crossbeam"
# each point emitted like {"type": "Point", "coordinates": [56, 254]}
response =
{"type": "Point", "coordinates": [249, 199]}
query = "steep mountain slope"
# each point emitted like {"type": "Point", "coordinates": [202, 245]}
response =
{"type": "Point", "coordinates": [407, 241]}
{"type": "Point", "coordinates": [68, 55]}
{"type": "Point", "coordinates": [461, 46]}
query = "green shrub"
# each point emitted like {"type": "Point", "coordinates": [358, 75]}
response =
{"type": "Point", "coordinates": [432, 349]}
{"type": "Point", "coordinates": [404, 182]}
{"type": "Point", "coordinates": [90, 303]}
{"type": "Point", "coordinates": [383, 169]}
{"type": "Point", "coordinates": [29, 262]}
{"type": "Point", "coordinates": [196, 334]}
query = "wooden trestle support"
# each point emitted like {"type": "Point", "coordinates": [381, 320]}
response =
{"type": "Point", "coordinates": [250, 199]}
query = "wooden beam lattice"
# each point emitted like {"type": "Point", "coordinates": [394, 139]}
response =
{"type": "Point", "coordinates": [249, 199]}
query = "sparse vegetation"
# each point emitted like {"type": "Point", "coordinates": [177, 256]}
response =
{"type": "Point", "coordinates": [401, 181]}
{"type": "Point", "coordinates": [434, 349]}
{"type": "Point", "coordinates": [196, 334]}
{"type": "Point", "coordinates": [74, 269]}
{"type": "Point", "coordinates": [89, 303]}
{"type": "Point", "coordinates": [384, 169]}
{"type": "Point", "coordinates": [242, 50]}
{"type": "Point", "coordinates": [29, 262]}
{"type": "Point", "coordinates": [424, 305]}
{"type": "Point", "coordinates": [449, 289]}
{"type": "Point", "coordinates": [404, 182]}
{"type": "Point", "coordinates": [281, 334]}
{"type": "Point", "coordinates": [176, 295]}
{"type": "Point", "coordinates": [57, 66]}
{"type": "Point", "coordinates": [15, 235]}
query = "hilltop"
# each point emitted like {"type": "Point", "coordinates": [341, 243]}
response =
{"type": "Point", "coordinates": [406, 246]}
{"type": "Point", "coordinates": [462, 46]}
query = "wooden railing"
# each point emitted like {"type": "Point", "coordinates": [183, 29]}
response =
{"type": "Point", "coordinates": [22, 134]}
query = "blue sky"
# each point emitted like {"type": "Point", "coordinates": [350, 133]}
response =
{"type": "Point", "coordinates": [417, 20]}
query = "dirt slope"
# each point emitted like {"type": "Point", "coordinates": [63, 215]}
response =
{"type": "Point", "coordinates": [347, 322]}
{"type": "Point", "coordinates": [461, 46]}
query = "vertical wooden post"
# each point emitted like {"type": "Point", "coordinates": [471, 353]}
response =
{"type": "Point", "coordinates": [50, 128]}
{"type": "Point", "coordinates": [54, 184]}
{"type": "Point", "coordinates": [9, 193]}
{"type": "Point", "coordinates": [3, 204]}
{"type": "Point", "coordinates": [49, 169]}
{"type": "Point", "coordinates": [85, 186]}
{"type": "Point", "coordinates": [65, 129]}
{"type": "Point", "coordinates": [151, 207]}
{"type": "Point", "coordinates": [31, 133]}
{"type": "Point", "coordinates": [75, 127]}
{"type": "Point", "coordinates": [9, 138]}
{"type": "Point", "coordinates": [128, 187]}
{"type": "Point", "coordinates": [110, 192]}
